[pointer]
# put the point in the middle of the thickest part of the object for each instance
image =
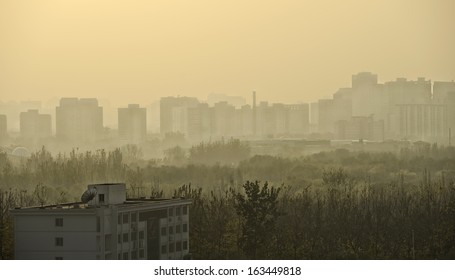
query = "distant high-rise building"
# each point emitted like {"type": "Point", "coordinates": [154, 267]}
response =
{"type": "Point", "coordinates": [449, 103]}
{"type": "Point", "coordinates": [360, 128]}
{"type": "Point", "coordinates": [132, 123]}
{"type": "Point", "coordinates": [254, 114]}
{"type": "Point", "coordinates": [314, 117]}
{"type": "Point", "coordinates": [173, 113]}
{"type": "Point", "coordinates": [326, 117]}
{"type": "Point", "coordinates": [298, 119]}
{"type": "Point", "coordinates": [246, 122]}
{"type": "Point", "coordinates": [200, 122]}
{"type": "Point", "coordinates": [366, 94]}
{"type": "Point", "coordinates": [13, 109]}
{"type": "Point", "coordinates": [441, 90]}
{"type": "Point", "coordinates": [79, 120]}
{"type": "Point", "coordinates": [424, 122]}
{"type": "Point", "coordinates": [3, 127]}
{"type": "Point", "coordinates": [34, 125]}
{"type": "Point", "coordinates": [223, 119]}
{"type": "Point", "coordinates": [403, 92]}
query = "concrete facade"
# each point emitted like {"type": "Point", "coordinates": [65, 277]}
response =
{"type": "Point", "coordinates": [107, 227]}
{"type": "Point", "coordinates": [79, 120]}
{"type": "Point", "coordinates": [132, 124]}
{"type": "Point", "coordinates": [34, 125]}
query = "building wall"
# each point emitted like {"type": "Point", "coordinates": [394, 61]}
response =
{"type": "Point", "coordinates": [132, 124]}
{"type": "Point", "coordinates": [35, 235]}
{"type": "Point", "coordinates": [79, 120]}
{"type": "Point", "coordinates": [173, 112]}
{"type": "Point", "coordinates": [424, 122]}
{"type": "Point", "coordinates": [3, 127]}
{"type": "Point", "coordinates": [34, 125]}
{"type": "Point", "coordinates": [111, 228]}
{"type": "Point", "coordinates": [441, 90]}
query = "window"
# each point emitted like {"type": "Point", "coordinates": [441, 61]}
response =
{"type": "Point", "coordinates": [134, 255]}
{"type": "Point", "coordinates": [59, 241]}
{"type": "Point", "coordinates": [133, 217]}
{"type": "Point", "coordinates": [107, 240]}
{"type": "Point", "coordinates": [177, 229]}
{"type": "Point", "coordinates": [185, 245]}
{"type": "Point", "coordinates": [125, 237]}
{"type": "Point", "coordinates": [59, 258]}
{"type": "Point", "coordinates": [59, 222]}
{"type": "Point", "coordinates": [185, 228]}
{"type": "Point", "coordinates": [185, 210]}
{"type": "Point", "coordinates": [125, 256]}
{"type": "Point", "coordinates": [119, 219]}
{"type": "Point", "coordinates": [119, 256]}
{"type": "Point", "coordinates": [163, 249]}
{"type": "Point", "coordinates": [177, 211]}
{"type": "Point", "coordinates": [141, 254]}
{"type": "Point", "coordinates": [178, 246]}
{"type": "Point", "coordinates": [163, 231]}
{"type": "Point", "coordinates": [171, 230]}
{"type": "Point", "coordinates": [171, 212]}
{"type": "Point", "coordinates": [171, 247]}
{"type": "Point", "coordinates": [133, 236]}
{"type": "Point", "coordinates": [101, 197]}
{"type": "Point", "coordinates": [141, 235]}
{"type": "Point", "coordinates": [98, 224]}
{"type": "Point", "coordinates": [119, 238]}
{"type": "Point", "coordinates": [125, 218]}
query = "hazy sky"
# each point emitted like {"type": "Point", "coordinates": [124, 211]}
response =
{"type": "Point", "coordinates": [289, 51]}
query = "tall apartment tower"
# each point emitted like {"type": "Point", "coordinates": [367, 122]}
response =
{"type": "Point", "coordinates": [174, 113]}
{"type": "Point", "coordinates": [3, 127]}
{"type": "Point", "coordinates": [441, 90]}
{"type": "Point", "coordinates": [79, 120]}
{"type": "Point", "coordinates": [254, 114]}
{"type": "Point", "coordinates": [132, 124]}
{"type": "Point", "coordinates": [105, 225]}
{"type": "Point", "coordinates": [34, 125]}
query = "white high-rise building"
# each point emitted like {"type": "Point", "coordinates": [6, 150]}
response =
{"type": "Point", "coordinates": [105, 225]}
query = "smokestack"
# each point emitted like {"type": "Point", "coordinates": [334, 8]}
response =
{"type": "Point", "coordinates": [254, 112]}
{"type": "Point", "coordinates": [450, 137]}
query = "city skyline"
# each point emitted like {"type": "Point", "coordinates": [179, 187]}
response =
{"type": "Point", "coordinates": [401, 109]}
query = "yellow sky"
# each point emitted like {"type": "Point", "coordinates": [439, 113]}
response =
{"type": "Point", "coordinates": [289, 51]}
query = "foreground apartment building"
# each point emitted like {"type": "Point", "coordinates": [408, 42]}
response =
{"type": "Point", "coordinates": [105, 225]}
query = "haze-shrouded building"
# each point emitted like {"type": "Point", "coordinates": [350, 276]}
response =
{"type": "Point", "coordinates": [132, 124]}
{"type": "Point", "coordinates": [360, 128]}
{"type": "Point", "coordinates": [174, 113]}
{"type": "Point", "coordinates": [441, 90]}
{"type": "Point", "coordinates": [200, 122]}
{"type": "Point", "coordinates": [403, 92]}
{"type": "Point", "coordinates": [105, 225]}
{"type": "Point", "coordinates": [424, 122]}
{"type": "Point", "coordinates": [79, 120]}
{"type": "Point", "coordinates": [367, 95]}
{"type": "Point", "coordinates": [3, 127]}
{"type": "Point", "coordinates": [34, 125]}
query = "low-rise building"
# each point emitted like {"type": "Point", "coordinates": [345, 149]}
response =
{"type": "Point", "coordinates": [104, 225]}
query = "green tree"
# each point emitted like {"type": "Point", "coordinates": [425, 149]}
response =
{"type": "Point", "coordinates": [258, 209]}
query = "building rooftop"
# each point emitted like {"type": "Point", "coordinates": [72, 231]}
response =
{"type": "Point", "coordinates": [128, 202]}
{"type": "Point", "coordinates": [108, 195]}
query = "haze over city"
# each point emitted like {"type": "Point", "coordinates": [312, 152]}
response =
{"type": "Point", "coordinates": [234, 130]}
{"type": "Point", "coordinates": [292, 51]}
